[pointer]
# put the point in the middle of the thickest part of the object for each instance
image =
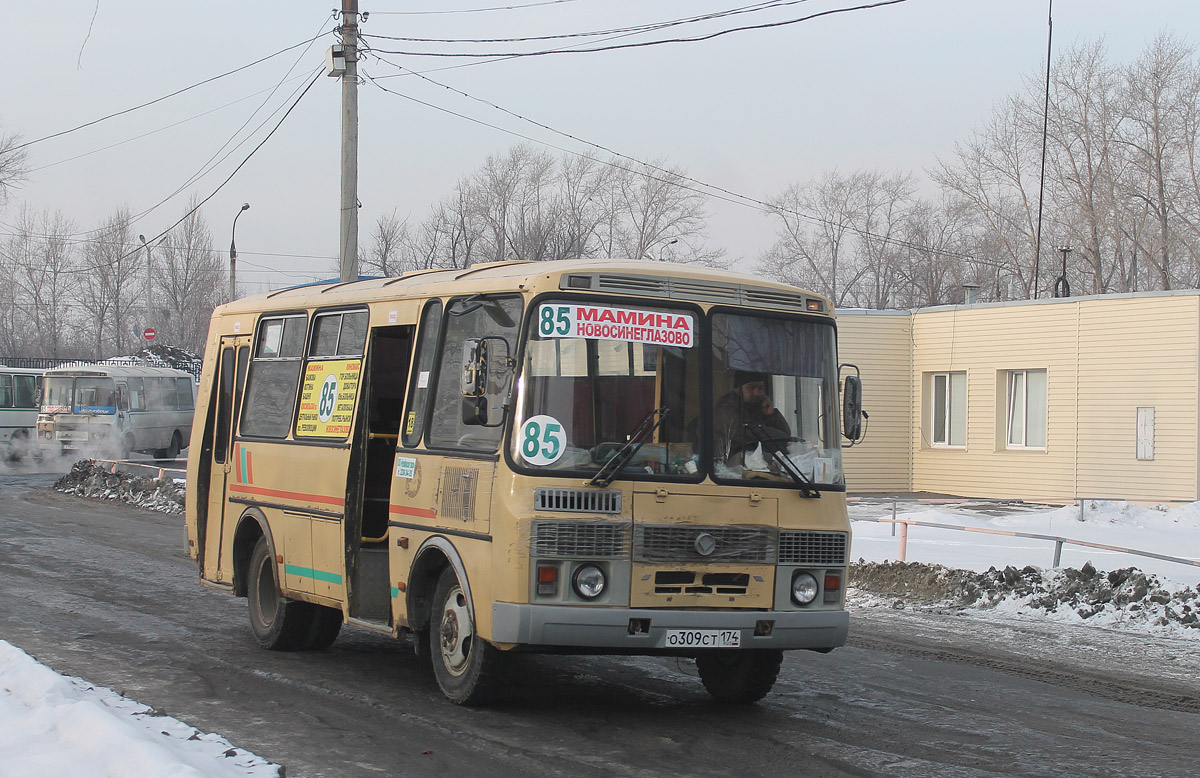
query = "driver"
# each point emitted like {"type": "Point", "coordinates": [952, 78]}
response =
{"type": "Point", "coordinates": [746, 410]}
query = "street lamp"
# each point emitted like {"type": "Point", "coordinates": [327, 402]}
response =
{"type": "Point", "coordinates": [149, 276]}
{"type": "Point", "coordinates": [659, 256]}
{"type": "Point", "coordinates": [233, 254]}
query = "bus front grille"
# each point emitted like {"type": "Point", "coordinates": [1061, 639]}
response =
{"type": "Point", "coordinates": [808, 547]}
{"type": "Point", "coordinates": [688, 582]}
{"type": "Point", "coordinates": [580, 539]}
{"type": "Point", "coordinates": [576, 500]}
{"type": "Point", "coordinates": [692, 543]}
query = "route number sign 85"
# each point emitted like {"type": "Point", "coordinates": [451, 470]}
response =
{"type": "Point", "coordinates": [543, 440]}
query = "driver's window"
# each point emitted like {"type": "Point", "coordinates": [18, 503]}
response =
{"type": "Point", "coordinates": [464, 319]}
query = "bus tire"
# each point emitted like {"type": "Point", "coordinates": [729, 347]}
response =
{"type": "Point", "coordinates": [739, 676]}
{"type": "Point", "coordinates": [278, 623]}
{"type": "Point", "coordinates": [172, 450]}
{"type": "Point", "coordinates": [323, 629]}
{"type": "Point", "coordinates": [466, 666]}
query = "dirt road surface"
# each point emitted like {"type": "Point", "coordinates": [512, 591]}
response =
{"type": "Point", "coordinates": [106, 592]}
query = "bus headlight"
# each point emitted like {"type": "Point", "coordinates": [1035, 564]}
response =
{"type": "Point", "coordinates": [804, 588]}
{"type": "Point", "coordinates": [589, 582]}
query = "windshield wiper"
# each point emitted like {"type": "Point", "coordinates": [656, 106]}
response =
{"type": "Point", "coordinates": [807, 487]}
{"type": "Point", "coordinates": [645, 428]}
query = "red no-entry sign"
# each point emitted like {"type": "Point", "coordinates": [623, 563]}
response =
{"type": "Point", "coordinates": [148, 333]}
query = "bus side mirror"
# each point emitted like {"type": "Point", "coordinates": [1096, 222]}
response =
{"type": "Point", "coordinates": [852, 412]}
{"type": "Point", "coordinates": [474, 368]}
{"type": "Point", "coordinates": [486, 368]}
{"type": "Point", "coordinates": [474, 411]}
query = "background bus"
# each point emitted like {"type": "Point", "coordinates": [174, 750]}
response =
{"type": "Point", "coordinates": [19, 388]}
{"type": "Point", "coordinates": [572, 456]}
{"type": "Point", "coordinates": [115, 410]}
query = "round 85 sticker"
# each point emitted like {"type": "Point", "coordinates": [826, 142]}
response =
{"type": "Point", "coordinates": [543, 440]}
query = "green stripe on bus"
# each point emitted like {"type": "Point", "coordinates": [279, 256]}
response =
{"type": "Point", "coordinates": [316, 575]}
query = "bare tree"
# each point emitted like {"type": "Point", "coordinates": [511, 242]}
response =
{"type": "Point", "coordinates": [109, 284]}
{"type": "Point", "coordinates": [1158, 87]}
{"type": "Point", "coordinates": [655, 208]}
{"type": "Point", "coordinates": [529, 205]}
{"type": "Point", "coordinates": [389, 242]}
{"type": "Point", "coordinates": [14, 164]}
{"type": "Point", "coordinates": [189, 281]}
{"type": "Point", "coordinates": [840, 235]}
{"type": "Point", "coordinates": [41, 261]}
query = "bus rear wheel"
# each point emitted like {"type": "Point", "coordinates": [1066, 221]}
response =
{"type": "Point", "coordinates": [739, 676]}
{"type": "Point", "coordinates": [278, 623]}
{"type": "Point", "coordinates": [466, 666]}
{"type": "Point", "coordinates": [172, 450]}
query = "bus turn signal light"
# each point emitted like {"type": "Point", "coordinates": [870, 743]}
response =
{"type": "Point", "coordinates": [833, 587]}
{"type": "Point", "coordinates": [547, 577]}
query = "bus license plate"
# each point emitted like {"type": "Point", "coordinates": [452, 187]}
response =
{"type": "Point", "coordinates": [703, 638]}
{"type": "Point", "coordinates": [70, 435]}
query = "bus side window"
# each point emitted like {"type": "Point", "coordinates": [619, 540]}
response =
{"type": "Point", "coordinates": [274, 377]}
{"type": "Point", "coordinates": [137, 394]}
{"type": "Point", "coordinates": [183, 394]}
{"type": "Point", "coordinates": [25, 391]}
{"type": "Point", "coordinates": [6, 391]}
{"type": "Point", "coordinates": [418, 387]}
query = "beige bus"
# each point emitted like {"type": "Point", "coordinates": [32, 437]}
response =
{"type": "Point", "coordinates": [571, 456]}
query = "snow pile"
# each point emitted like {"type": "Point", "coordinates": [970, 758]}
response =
{"type": "Point", "coordinates": [1126, 598]}
{"type": "Point", "coordinates": [161, 355]}
{"type": "Point", "coordinates": [89, 479]}
{"type": "Point", "coordinates": [51, 725]}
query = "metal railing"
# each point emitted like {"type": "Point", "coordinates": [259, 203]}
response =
{"type": "Point", "coordinates": [128, 463]}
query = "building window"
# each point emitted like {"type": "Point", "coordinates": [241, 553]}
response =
{"type": "Point", "coordinates": [1026, 409]}
{"type": "Point", "coordinates": [948, 411]}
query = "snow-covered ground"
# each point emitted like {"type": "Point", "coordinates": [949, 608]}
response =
{"type": "Point", "coordinates": [1162, 530]}
{"type": "Point", "coordinates": [56, 726]}
{"type": "Point", "coordinates": [1092, 586]}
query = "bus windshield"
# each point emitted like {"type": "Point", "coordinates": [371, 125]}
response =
{"type": "Point", "coordinates": [58, 394]}
{"type": "Point", "coordinates": [593, 373]}
{"type": "Point", "coordinates": [774, 398]}
{"type": "Point", "coordinates": [66, 394]}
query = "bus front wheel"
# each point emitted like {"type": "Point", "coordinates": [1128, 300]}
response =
{"type": "Point", "coordinates": [739, 676]}
{"type": "Point", "coordinates": [278, 623]}
{"type": "Point", "coordinates": [466, 665]}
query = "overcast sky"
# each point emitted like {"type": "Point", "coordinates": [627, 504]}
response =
{"type": "Point", "coordinates": [891, 87]}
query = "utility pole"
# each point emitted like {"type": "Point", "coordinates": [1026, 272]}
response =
{"type": "Point", "coordinates": [348, 259]}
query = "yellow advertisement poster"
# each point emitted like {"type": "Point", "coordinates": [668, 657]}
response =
{"type": "Point", "coordinates": [327, 398]}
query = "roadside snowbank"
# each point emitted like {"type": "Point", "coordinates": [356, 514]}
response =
{"type": "Point", "coordinates": [52, 725]}
{"type": "Point", "coordinates": [1126, 599]}
{"type": "Point", "coordinates": [89, 479]}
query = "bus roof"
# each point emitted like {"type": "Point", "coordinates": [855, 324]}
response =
{"type": "Point", "coordinates": [118, 371]}
{"type": "Point", "coordinates": [639, 278]}
{"type": "Point", "coordinates": [20, 370]}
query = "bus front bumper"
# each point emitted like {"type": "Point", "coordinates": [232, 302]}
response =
{"type": "Point", "coordinates": [630, 629]}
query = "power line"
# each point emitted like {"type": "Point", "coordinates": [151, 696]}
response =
{"type": "Point", "coordinates": [16, 232]}
{"type": "Point", "coordinates": [470, 10]}
{"type": "Point", "coordinates": [160, 129]}
{"type": "Point", "coordinates": [709, 190]}
{"type": "Point", "coordinates": [168, 96]}
{"type": "Point", "coordinates": [126, 255]}
{"type": "Point", "coordinates": [649, 27]}
{"type": "Point", "coordinates": [643, 44]}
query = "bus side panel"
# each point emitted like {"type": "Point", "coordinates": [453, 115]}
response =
{"type": "Point", "coordinates": [305, 513]}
